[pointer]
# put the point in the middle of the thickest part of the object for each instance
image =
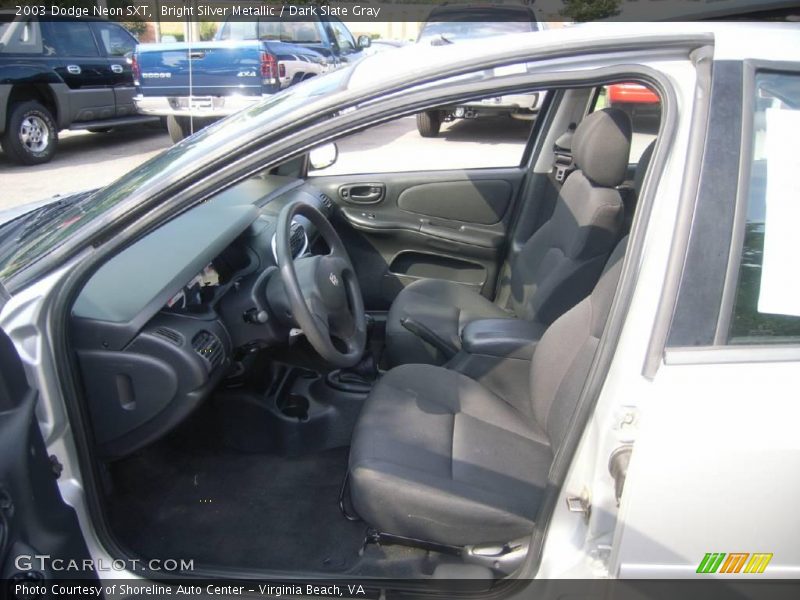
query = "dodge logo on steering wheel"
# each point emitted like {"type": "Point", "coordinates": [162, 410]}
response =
{"type": "Point", "coordinates": [334, 279]}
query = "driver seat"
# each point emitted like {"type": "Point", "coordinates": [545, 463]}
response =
{"type": "Point", "coordinates": [437, 457]}
{"type": "Point", "coordinates": [555, 269]}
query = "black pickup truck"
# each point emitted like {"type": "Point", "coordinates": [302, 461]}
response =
{"type": "Point", "coordinates": [62, 74]}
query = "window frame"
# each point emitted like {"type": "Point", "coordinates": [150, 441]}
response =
{"type": "Point", "coordinates": [751, 69]}
{"type": "Point", "coordinates": [717, 350]}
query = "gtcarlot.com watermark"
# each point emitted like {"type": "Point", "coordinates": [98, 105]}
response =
{"type": "Point", "coordinates": [44, 562]}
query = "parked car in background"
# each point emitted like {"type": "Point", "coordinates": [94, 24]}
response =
{"type": "Point", "coordinates": [193, 84]}
{"type": "Point", "coordinates": [635, 99]}
{"type": "Point", "coordinates": [448, 24]}
{"type": "Point", "coordinates": [62, 74]}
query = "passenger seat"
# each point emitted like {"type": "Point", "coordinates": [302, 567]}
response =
{"type": "Point", "coordinates": [555, 269]}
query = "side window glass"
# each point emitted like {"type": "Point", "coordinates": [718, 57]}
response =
{"type": "Point", "coordinates": [20, 37]}
{"type": "Point", "coordinates": [300, 32]}
{"type": "Point", "coordinates": [74, 38]}
{"type": "Point", "coordinates": [767, 302]}
{"type": "Point", "coordinates": [487, 133]}
{"type": "Point", "coordinates": [641, 104]}
{"type": "Point", "coordinates": [116, 41]}
{"type": "Point", "coordinates": [343, 37]}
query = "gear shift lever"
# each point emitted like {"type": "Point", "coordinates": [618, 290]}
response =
{"type": "Point", "coordinates": [360, 377]}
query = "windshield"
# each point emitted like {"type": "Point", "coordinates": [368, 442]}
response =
{"type": "Point", "coordinates": [453, 30]}
{"type": "Point", "coordinates": [274, 30]}
{"type": "Point", "coordinates": [26, 239]}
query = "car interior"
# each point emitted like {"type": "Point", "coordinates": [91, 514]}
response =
{"type": "Point", "coordinates": [359, 374]}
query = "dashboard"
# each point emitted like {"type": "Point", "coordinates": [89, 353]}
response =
{"type": "Point", "coordinates": [156, 327]}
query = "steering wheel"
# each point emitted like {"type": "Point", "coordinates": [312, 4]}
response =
{"type": "Point", "coordinates": [322, 292]}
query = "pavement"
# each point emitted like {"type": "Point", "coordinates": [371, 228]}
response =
{"type": "Point", "coordinates": [87, 160]}
{"type": "Point", "coordinates": [83, 161]}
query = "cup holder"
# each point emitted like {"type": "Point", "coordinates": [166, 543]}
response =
{"type": "Point", "coordinates": [294, 406]}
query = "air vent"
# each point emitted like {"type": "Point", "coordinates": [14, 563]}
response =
{"type": "Point", "coordinates": [297, 241]}
{"type": "Point", "coordinates": [326, 202]}
{"type": "Point", "coordinates": [169, 334]}
{"type": "Point", "coordinates": [208, 346]}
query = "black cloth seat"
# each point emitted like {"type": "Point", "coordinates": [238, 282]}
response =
{"type": "Point", "coordinates": [556, 268]}
{"type": "Point", "coordinates": [439, 457]}
{"type": "Point", "coordinates": [436, 456]}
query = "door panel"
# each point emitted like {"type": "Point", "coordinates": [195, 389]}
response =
{"type": "Point", "coordinates": [483, 202]}
{"type": "Point", "coordinates": [400, 227]}
{"type": "Point", "coordinates": [34, 520]}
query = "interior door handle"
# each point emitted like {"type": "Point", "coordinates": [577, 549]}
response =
{"type": "Point", "coordinates": [363, 193]}
{"type": "Point", "coordinates": [365, 197]}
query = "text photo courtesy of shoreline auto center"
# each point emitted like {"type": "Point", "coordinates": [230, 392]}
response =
{"type": "Point", "coordinates": [397, 299]}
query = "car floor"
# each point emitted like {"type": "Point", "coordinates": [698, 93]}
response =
{"type": "Point", "coordinates": [188, 496]}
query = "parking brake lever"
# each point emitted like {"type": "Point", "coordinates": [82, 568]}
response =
{"type": "Point", "coordinates": [429, 336]}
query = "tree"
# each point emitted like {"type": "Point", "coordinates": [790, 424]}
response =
{"type": "Point", "coordinates": [589, 10]}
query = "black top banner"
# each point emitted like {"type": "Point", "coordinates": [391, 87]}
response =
{"type": "Point", "coordinates": [406, 10]}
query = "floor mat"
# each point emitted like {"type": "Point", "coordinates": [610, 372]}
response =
{"type": "Point", "coordinates": [224, 508]}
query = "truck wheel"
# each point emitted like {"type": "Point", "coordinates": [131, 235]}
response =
{"type": "Point", "coordinates": [429, 123]}
{"type": "Point", "coordinates": [31, 136]}
{"type": "Point", "coordinates": [178, 128]}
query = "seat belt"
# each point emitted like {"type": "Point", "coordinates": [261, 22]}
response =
{"type": "Point", "coordinates": [563, 164]}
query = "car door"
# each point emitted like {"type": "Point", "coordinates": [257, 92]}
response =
{"type": "Point", "coordinates": [77, 59]}
{"type": "Point", "coordinates": [118, 45]}
{"type": "Point", "coordinates": [39, 533]}
{"type": "Point", "coordinates": [719, 428]}
{"type": "Point", "coordinates": [442, 208]}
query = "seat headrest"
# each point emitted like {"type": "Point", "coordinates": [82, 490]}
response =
{"type": "Point", "coordinates": [601, 146]}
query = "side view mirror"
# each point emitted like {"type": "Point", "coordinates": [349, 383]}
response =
{"type": "Point", "coordinates": [364, 41]}
{"type": "Point", "coordinates": [323, 156]}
